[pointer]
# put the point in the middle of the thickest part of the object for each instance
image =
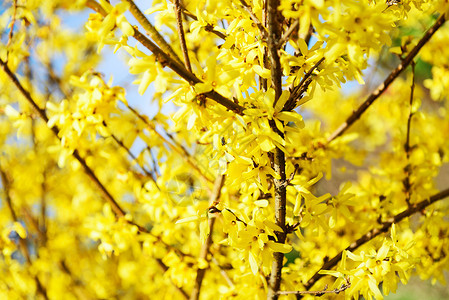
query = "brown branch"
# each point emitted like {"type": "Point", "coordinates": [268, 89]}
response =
{"type": "Point", "coordinates": [151, 31]}
{"type": "Point", "coordinates": [342, 288]}
{"type": "Point", "coordinates": [92, 4]}
{"type": "Point", "coordinates": [385, 226]}
{"type": "Point", "coordinates": [219, 181]}
{"type": "Point", "coordinates": [177, 67]}
{"type": "Point", "coordinates": [182, 38]}
{"type": "Point", "coordinates": [393, 75]}
{"type": "Point", "coordinates": [256, 21]}
{"type": "Point", "coordinates": [153, 160]}
{"type": "Point", "coordinates": [278, 157]}
{"type": "Point", "coordinates": [184, 73]}
{"type": "Point", "coordinates": [274, 34]}
{"type": "Point", "coordinates": [406, 182]}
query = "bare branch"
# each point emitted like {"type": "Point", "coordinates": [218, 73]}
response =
{"type": "Point", "coordinates": [385, 226]}
{"type": "Point", "coordinates": [393, 75]}
{"type": "Point", "coordinates": [182, 38]}
{"type": "Point", "coordinates": [96, 6]}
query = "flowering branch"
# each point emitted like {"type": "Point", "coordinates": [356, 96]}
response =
{"type": "Point", "coordinates": [413, 208]}
{"type": "Point", "coordinates": [208, 27]}
{"type": "Point", "coordinates": [151, 31]}
{"type": "Point", "coordinates": [116, 208]}
{"type": "Point", "coordinates": [298, 91]}
{"type": "Point", "coordinates": [166, 60]}
{"type": "Point", "coordinates": [393, 75]}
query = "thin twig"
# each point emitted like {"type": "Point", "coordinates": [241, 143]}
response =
{"type": "Point", "coordinates": [219, 181]}
{"type": "Point", "coordinates": [406, 182]}
{"type": "Point", "coordinates": [77, 281]}
{"type": "Point", "coordinates": [278, 158]}
{"type": "Point", "coordinates": [256, 21]}
{"type": "Point", "coordinates": [385, 227]}
{"type": "Point", "coordinates": [153, 160]}
{"type": "Point", "coordinates": [288, 32]}
{"type": "Point", "coordinates": [342, 288]}
{"type": "Point", "coordinates": [151, 31]}
{"type": "Point", "coordinates": [58, 81]}
{"type": "Point", "coordinates": [298, 91]}
{"type": "Point", "coordinates": [114, 205]}
{"type": "Point", "coordinates": [134, 158]}
{"type": "Point", "coordinates": [182, 38]}
{"type": "Point", "coordinates": [393, 75]}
